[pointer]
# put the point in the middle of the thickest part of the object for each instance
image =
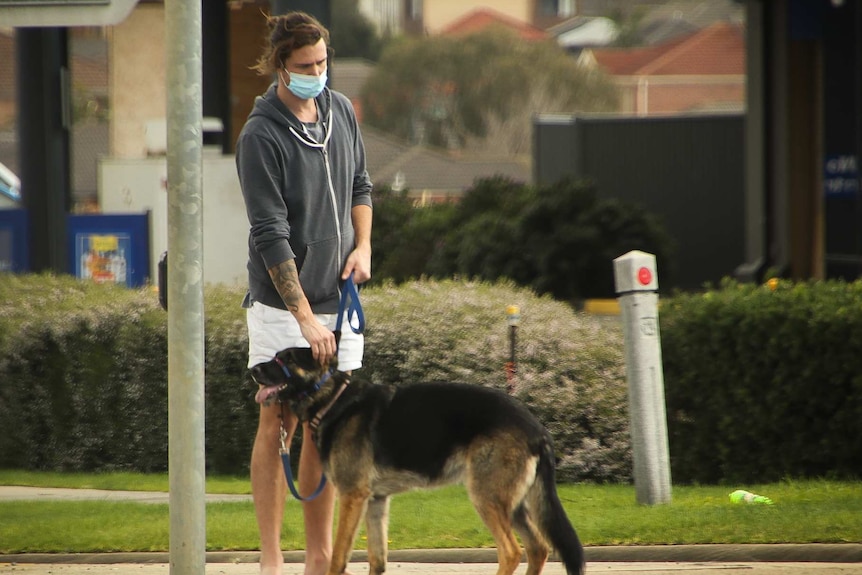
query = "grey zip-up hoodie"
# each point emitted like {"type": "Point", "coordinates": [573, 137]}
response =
{"type": "Point", "coordinates": [298, 196]}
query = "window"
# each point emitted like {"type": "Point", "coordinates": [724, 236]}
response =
{"type": "Point", "coordinates": [558, 8]}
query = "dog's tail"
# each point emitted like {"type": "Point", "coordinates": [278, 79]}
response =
{"type": "Point", "coordinates": [551, 518]}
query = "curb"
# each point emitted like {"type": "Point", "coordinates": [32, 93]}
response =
{"type": "Point", "coordinates": [809, 552]}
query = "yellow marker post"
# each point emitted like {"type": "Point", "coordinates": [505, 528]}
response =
{"type": "Point", "coordinates": [513, 318]}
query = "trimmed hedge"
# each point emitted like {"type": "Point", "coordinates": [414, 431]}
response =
{"type": "Point", "coordinates": [82, 387]}
{"type": "Point", "coordinates": [764, 382]}
{"type": "Point", "coordinates": [570, 365]}
{"type": "Point", "coordinates": [84, 370]}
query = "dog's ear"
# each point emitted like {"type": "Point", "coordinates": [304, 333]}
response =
{"type": "Point", "coordinates": [300, 357]}
{"type": "Point", "coordinates": [306, 361]}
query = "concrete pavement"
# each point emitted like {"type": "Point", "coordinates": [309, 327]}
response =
{"type": "Point", "coordinates": [65, 566]}
{"type": "Point", "coordinates": [15, 492]}
{"type": "Point", "coordinates": [817, 559]}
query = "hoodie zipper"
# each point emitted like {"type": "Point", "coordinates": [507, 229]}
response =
{"type": "Point", "coordinates": [331, 187]}
{"type": "Point", "coordinates": [334, 210]}
{"type": "Point", "coordinates": [328, 167]}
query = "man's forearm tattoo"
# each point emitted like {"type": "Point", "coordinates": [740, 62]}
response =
{"type": "Point", "coordinates": [286, 280]}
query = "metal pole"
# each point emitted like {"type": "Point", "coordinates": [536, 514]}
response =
{"type": "Point", "coordinates": [44, 123]}
{"type": "Point", "coordinates": [637, 287]}
{"type": "Point", "coordinates": [185, 289]}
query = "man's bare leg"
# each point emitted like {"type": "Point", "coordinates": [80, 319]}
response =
{"type": "Point", "coordinates": [319, 511]}
{"type": "Point", "coordinates": [268, 486]}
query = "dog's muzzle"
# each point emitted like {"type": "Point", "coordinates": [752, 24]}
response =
{"type": "Point", "coordinates": [266, 394]}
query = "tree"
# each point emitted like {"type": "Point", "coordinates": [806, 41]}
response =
{"type": "Point", "coordinates": [352, 35]}
{"type": "Point", "coordinates": [629, 23]}
{"type": "Point", "coordinates": [572, 237]}
{"type": "Point", "coordinates": [405, 237]}
{"type": "Point", "coordinates": [479, 90]}
{"type": "Point", "coordinates": [560, 239]}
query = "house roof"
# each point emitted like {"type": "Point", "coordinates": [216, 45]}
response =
{"type": "Point", "coordinates": [659, 31]}
{"type": "Point", "coordinates": [349, 75]}
{"type": "Point", "coordinates": [89, 62]}
{"type": "Point", "coordinates": [7, 66]}
{"type": "Point", "coordinates": [481, 18]}
{"type": "Point", "coordinates": [581, 31]}
{"type": "Point", "coordinates": [718, 49]}
{"type": "Point", "coordinates": [667, 20]}
{"type": "Point", "coordinates": [418, 168]}
{"type": "Point", "coordinates": [660, 21]}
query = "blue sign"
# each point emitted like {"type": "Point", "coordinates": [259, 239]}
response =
{"type": "Point", "coordinates": [110, 248]}
{"type": "Point", "coordinates": [14, 241]}
{"type": "Point", "coordinates": [841, 175]}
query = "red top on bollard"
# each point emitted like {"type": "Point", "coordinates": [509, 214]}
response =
{"type": "Point", "coordinates": [635, 271]}
{"type": "Point", "coordinates": [644, 276]}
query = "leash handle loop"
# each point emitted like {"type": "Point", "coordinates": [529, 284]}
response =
{"type": "Point", "coordinates": [354, 310]}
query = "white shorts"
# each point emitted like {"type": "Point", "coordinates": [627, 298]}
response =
{"type": "Point", "coordinates": [271, 330]}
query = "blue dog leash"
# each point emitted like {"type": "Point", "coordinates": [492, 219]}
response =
{"type": "Point", "coordinates": [354, 310]}
{"type": "Point", "coordinates": [285, 462]}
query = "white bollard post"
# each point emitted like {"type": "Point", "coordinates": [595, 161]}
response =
{"type": "Point", "coordinates": [637, 290]}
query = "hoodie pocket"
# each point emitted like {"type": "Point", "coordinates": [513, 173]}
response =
{"type": "Point", "coordinates": [319, 271]}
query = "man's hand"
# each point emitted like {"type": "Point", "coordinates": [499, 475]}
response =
{"type": "Point", "coordinates": [358, 263]}
{"type": "Point", "coordinates": [321, 339]}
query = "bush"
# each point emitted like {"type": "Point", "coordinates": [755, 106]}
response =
{"type": "Point", "coordinates": [559, 239]}
{"type": "Point", "coordinates": [483, 237]}
{"type": "Point", "coordinates": [764, 382]}
{"type": "Point", "coordinates": [572, 238]}
{"type": "Point", "coordinates": [570, 368]}
{"type": "Point", "coordinates": [84, 370]}
{"type": "Point", "coordinates": [404, 238]}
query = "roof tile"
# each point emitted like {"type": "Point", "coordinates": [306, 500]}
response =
{"type": "Point", "coordinates": [718, 49]}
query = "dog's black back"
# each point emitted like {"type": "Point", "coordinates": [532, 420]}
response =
{"type": "Point", "coordinates": [424, 423]}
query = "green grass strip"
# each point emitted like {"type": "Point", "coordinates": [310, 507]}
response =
{"type": "Point", "coordinates": [804, 512]}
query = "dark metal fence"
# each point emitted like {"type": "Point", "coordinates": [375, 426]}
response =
{"type": "Point", "coordinates": [686, 170]}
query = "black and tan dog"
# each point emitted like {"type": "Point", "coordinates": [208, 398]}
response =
{"type": "Point", "coordinates": [377, 440]}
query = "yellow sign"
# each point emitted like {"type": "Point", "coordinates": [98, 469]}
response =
{"type": "Point", "coordinates": [104, 243]}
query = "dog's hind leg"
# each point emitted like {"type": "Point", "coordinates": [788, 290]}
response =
{"type": "Point", "coordinates": [377, 523]}
{"type": "Point", "coordinates": [497, 518]}
{"type": "Point", "coordinates": [534, 544]}
{"type": "Point", "coordinates": [352, 506]}
{"type": "Point", "coordinates": [494, 503]}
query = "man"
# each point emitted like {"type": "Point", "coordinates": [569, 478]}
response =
{"type": "Point", "coordinates": [301, 165]}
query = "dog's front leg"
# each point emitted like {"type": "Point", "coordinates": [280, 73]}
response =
{"type": "Point", "coordinates": [352, 506]}
{"type": "Point", "coordinates": [377, 523]}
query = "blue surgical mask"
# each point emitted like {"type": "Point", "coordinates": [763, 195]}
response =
{"type": "Point", "coordinates": [305, 86]}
